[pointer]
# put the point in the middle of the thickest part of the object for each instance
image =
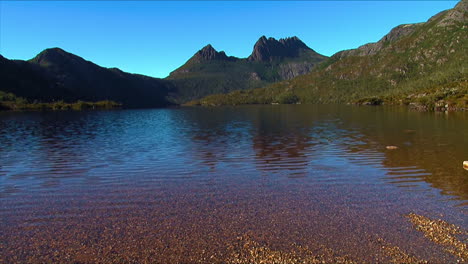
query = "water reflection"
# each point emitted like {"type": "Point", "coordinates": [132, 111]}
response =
{"type": "Point", "coordinates": [43, 151]}
{"type": "Point", "coordinates": [431, 146]}
{"type": "Point", "coordinates": [182, 185]}
{"type": "Point", "coordinates": [282, 142]}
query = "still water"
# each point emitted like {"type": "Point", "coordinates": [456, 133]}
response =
{"type": "Point", "coordinates": [201, 185]}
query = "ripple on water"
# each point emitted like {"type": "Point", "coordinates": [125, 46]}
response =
{"type": "Point", "coordinates": [193, 183]}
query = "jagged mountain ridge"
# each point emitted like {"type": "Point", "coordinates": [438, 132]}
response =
{"type": "Point", "coordinates": [208, 53]}
{"type": "Point", "coordinates": [210, 71]}
{"type": "Point", "coordinates": [269, 49]}
{"type": "Point", "coordinates": [55, 74]}
{"type": "Point", "coordinates": [423, 63]}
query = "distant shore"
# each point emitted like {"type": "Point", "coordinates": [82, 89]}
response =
{"type": "Point", "coordinates": [58, 106]}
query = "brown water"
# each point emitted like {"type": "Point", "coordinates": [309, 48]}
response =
{"type": "Point", "coordinates": [212, 185]}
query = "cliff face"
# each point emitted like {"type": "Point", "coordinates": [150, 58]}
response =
{"type": "Point", "coordinates": [288, 71]}
{"type": "Point", "coordinates": [269, 49]}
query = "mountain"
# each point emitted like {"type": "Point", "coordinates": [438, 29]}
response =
{"type": "Point", "coordinates": [422, 64]}
{"type": "Point", "coordinates": [270, 49]}
{"type": "Point", "coordinates": [55, 74]}
{"type": "Point", "coordinates": [210, 71]}
{"type": "Point", "coordinates": [29, 80]}
{"type": "Point", "coordinates": [208, 53]}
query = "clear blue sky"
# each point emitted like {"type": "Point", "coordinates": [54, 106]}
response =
{"type": "Point", "coordinates": [156, 37]}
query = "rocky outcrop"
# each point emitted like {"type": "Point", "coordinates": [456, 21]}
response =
{"type": "Point", "coordinates": [209, 53]}
{"type": "Point", "coordinates": [373, 48]}
{"type": "Point", "coordinates": [290, 70]}
{"type": "Point", "coordinates": [454, 15]}
{"type": "Point", "coordinates": [206, 55]}
{"type": "Point", "coordinates": [269, 49]}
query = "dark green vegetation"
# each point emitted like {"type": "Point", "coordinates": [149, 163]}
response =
{"type": "Point", "coordinates": [212, 72]}
{"type": "Point", "coordinates": [55, 75]}
{"type": "Point", "coordinates": [9, 101]}
{"type": "Point", "coordinates": [417, 64]}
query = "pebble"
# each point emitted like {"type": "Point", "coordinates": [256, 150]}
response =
{"type": "Point", "coordinates": [442, 233]}
{"type": "Point", "coordinates": [465, 164]}
{"type": "Point", "coordinates": [392, 147]}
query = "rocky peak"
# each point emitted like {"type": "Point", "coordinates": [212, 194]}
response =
{"type": "Point", "coordinates": [293, 43]}
{"type": "Point", "coordinates": [206, 54]}
{"type": "Point", "coordinates": [455, 15]}
{"type": "Point", "coordinates": [209, 53]}
{"type": "Point", "coordinates": [398, 32]}
{"type": "Point", "coordinates": [268, 49]}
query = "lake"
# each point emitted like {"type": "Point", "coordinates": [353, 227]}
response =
{"type": "Point", "coordinates": [281, 184]}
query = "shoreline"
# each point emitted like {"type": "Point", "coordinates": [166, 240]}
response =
{"type": "Point", "coordinates": [59, 106]}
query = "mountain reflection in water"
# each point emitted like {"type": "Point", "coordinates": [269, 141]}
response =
{"type": "Point", "coordinates": [316, 176]}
